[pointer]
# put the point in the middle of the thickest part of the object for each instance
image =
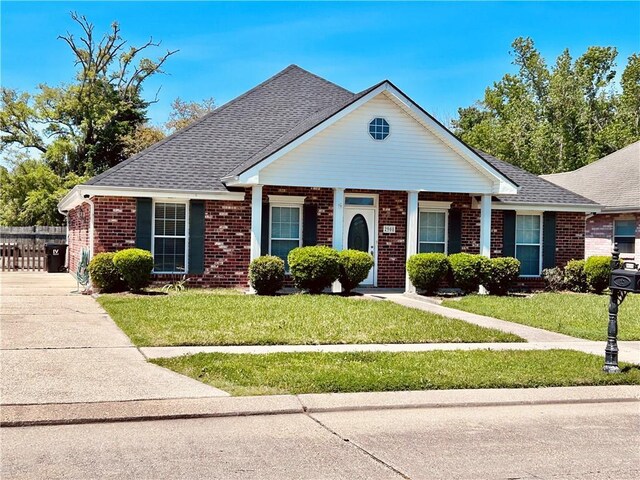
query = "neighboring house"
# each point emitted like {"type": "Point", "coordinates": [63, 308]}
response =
{"type": "Point", "coordinates": [614, 183]}
{"type": "Point", "coordinates": [298, 160]}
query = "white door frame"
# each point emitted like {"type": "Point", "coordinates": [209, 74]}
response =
{"type": "Point", "coordinates": [359, 208]}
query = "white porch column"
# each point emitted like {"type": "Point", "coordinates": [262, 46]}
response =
{"type": "Point", "coordinates": [256, 221]}
{"type": "Point", "coordinates": [412, 233]}
{"type": "Point", "coordinates": [338, 227]}
{"type": "Point", "coordinates": [485, 226]}
{"type": "Point", "coordinates": [485, 230]}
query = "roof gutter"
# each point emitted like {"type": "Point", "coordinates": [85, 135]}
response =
{"type": "Point", "coordinates": [81, 192]}
{"type": "Point", "coordinates": [551, 207]}
{"type": "Point", "coordinates": [621, 210]}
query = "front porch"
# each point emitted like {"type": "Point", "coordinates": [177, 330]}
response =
{"type": "Point", "coordinates": [391, 225]}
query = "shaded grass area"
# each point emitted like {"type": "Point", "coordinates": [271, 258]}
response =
{"type": "Point", "coordinates": [294, 373]}
{"type": "Point", "coordinates": [226, 318]}
{"type": "Point", "coordinates": [579, 315]}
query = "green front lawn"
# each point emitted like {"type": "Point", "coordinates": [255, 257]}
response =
{"type": "Point", "coordinates": [294, 373]}
{"type": "Point", "coordinates": [578, 315]}
{"type": "Point", "coordinates": [228, 318]}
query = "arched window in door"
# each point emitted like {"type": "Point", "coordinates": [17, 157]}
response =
{"type": "Point", "coordinates": [358, 237]}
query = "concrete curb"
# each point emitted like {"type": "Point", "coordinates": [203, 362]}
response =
{"type": "Point", "coordinates": [141, 410]}
{"type": "Point", "coordinates": [317, 403]}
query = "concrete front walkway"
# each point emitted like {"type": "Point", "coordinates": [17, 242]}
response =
{"type": "Point", "coordinates": [57, 346]}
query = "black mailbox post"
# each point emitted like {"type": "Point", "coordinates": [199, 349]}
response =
{"type": "Point", "coordinates": [623, 280]}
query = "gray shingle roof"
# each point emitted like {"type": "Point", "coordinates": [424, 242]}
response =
{"type": "Point", "coordinates": [613, 181]}
{"type": "Point", "coordinates": [198, 156]}
{"type": "Point", "coordinates": [260, 122]}
{"type": "Point", "coordinates": [533, 189]}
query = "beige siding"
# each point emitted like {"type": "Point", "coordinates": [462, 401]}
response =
{"type": "Point", "coordinates": [344, 155]}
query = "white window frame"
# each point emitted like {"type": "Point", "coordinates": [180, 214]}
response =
{"type": "Point", "coordinates": [435, 207]}
{"type": "Point", "coordinates": [369, 133]}
{"type": "Point", "coordinates": [279, 201]}
{"type": "Point", "coordinates": [186, 234]}
{"type": "Point", "coordinates": [374, 196]}
{"type": "Point", "coordinates": [531, 214]}
{"type": "Point", "coordinates": [613, 238]}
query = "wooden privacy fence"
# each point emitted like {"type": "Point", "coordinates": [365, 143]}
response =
{"type": "Point", "coordinates": [35, 235]}
{"type": "Point", "coordinates": [23, 257]}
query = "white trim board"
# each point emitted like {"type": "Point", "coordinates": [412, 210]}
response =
{"type": "Point", "coordinates": [434, 205]}
{"type": "Point", "coordinates": [542, 207]}
{"type": "Point", "coordinates": [287, 199]}
{"type": "Point", "coordinates": [77, 195]}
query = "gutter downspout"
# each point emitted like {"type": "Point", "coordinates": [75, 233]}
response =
{"type": "Point", "coordinates": [91, 215]}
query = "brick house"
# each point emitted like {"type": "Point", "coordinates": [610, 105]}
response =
{"type": "Point", "coordinates": [613, 182]}
{"type": "Point", "coordinates": [298, 160]}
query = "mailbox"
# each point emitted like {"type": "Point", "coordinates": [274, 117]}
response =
{"type": "Point", "coordinates": [627, 278]}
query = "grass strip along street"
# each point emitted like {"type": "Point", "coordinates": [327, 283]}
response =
{"type": "Point", "coordinates": [295, 373]}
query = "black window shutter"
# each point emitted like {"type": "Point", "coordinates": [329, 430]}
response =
{"type": "Point", "coordinates": [549, 239]}
{"type": "Point", "coordinates": [509, 234]}
{"type": "Point", "coordinates": [309, 225]}
{"type": "Point", "coordinates": [196, 237]}
{"type": "Point", "coordinates": [454, 244]}
{"type": "Point", "coordinates": [144, 217]}
{"type": "Point", "coordinates": [264, 240]}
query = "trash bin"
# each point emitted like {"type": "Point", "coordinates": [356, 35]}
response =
{"type": "Point", "coordinates": [56, 257]}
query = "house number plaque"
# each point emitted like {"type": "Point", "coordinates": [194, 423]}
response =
{"type": "Point", "coordinates": [388, 229]}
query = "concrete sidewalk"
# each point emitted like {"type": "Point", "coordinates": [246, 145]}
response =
{"type": "Point", "coordinates": [57, 346]}
{"type": "Point", "coordinates": [629, 351]}
{"type": "Point", "coordinates": [100, 412]}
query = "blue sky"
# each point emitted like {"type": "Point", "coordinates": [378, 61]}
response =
{"type": "Point", "coordinates": [443, 55]}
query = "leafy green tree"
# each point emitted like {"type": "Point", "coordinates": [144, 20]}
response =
{"type": "Point", "coordinates": [183, 113]}
{"type": "Point", "coordinates": [31, 192]}
{"type": "Point", "coordinates": [82, 126]}
{"type": "Point", "coordinates": [142, 137]}
{"type": "Point", "coordinates": [77, 129]}
{"type": "Point", "coordinates": [559, 118]}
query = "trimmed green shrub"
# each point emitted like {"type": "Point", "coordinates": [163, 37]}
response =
{"type": "Point", "coordinates": [501, 274]}
{"type": "Point", "coordinates": [104, 274]}
{"type": "Point", "coordinates": [427, 270]}
{"type": "Point", "coordinates": [468, 271]}
{"type": "Point", "coordinates": [597, 270]}
{"type": "Point", "coordinates": [574, 277]}
{"type": "Point", "coordinates": [354, 268]}
{"type": "Point", "coordinates": [135, 265]}
{"type": "Point", "coordinates": [266, 274]}
{"type": "Point", "coordinates": [314, 268]}
{"type": "Point", "coordinates": [553, 279]}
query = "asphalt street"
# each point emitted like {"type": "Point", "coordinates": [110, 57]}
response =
{"type": "Point", "coordinates": [570, 441]}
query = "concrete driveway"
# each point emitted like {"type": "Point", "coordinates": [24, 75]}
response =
{"type": "Point", "coordinates": [58, 346]}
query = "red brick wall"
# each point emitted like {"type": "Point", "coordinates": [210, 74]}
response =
{"type": "Point", "coordinates": [497, 232]}
{"type": "Point", "coordinates": [227, 244]}
{"type": "Point", "coordinates": [570, 228]}
{"type": "Point", "coordinates": [78, 221]}
{"type": "Point", "coordinates": [392, 247]}
{"type": "Point", "coordinates": [114, 225]}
